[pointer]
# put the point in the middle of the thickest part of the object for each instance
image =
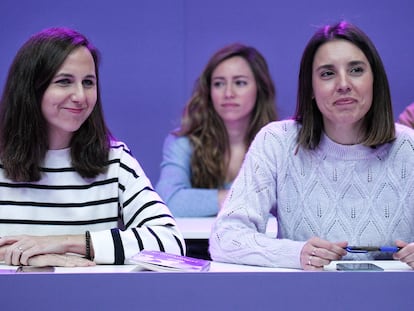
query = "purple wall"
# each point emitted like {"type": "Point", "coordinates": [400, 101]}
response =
{"type": "Point", "coordinates": [153, 50]}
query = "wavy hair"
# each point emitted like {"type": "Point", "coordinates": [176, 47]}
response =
{"type": "Point", "coordinates": [23, 128]}
{"type": "Point", "coordinates": [205, 128]}
{"type": "Point", "coordinates": [378, 123]}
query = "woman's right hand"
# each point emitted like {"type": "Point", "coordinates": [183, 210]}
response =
{"type": "Point", "coordinates": [317, 253]}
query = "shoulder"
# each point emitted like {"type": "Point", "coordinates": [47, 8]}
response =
{"type": "Point", "coordinates": [403, 134]}
{"type": "Point", "coordinates": [120, 152]}
{"type": "Point", "coordinates": [280, 130]}
{"type": "Point", "coordinates": [119, 147]}
{"type": "Point", "coordinates": [276, 139]}
{"type": "Point", "coordinates": [174, 142]}
{"type": "Point", "coordinates": [403, 143]}
{"type": "Point", "coordinates": [404, 131]}
{"type": "Point", "coordinates": [121, 156]}
{"type": "Point", "coordinates": [175, 139]}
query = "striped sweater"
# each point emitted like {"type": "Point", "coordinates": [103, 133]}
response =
{"type": "Point", "coordinates": [119, 207]}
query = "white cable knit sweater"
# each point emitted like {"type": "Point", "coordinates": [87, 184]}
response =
{"type": "Point", "coordinates": [338, 192]}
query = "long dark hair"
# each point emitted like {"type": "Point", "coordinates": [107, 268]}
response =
{"type": "Point", "coordinates": [23, 129]}
{"type": "Point", "coordinates": [205, 128]}
{"type": "Point", "coordinates": [378, 123]}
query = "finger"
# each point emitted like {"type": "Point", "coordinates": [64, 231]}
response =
{"type": "Point", "coordinates": [77, 261]}
{"type": "Point", "coordinates": [332, 254]}
{"type": "Point", "coordinates": [318, 262]}
{"type": "Point", "coordinates": [409, 259]}
{"type": "Point", "coordinates": [3, 250]}
{"type": "Point", "coordinates": [59, 260]}
{"type": "Point", "coordinates": [28, 251]}
{"type": "Point", "coordinates": [24, 258]}
{"type": "Point", "coordinates": [404, 251]}
{"type": "Point", "coordinates": [337, 247]}
{"type": "Point", "coordinates": [15, 254]}
{"type": "Point", "coordinates": [329, 251]}
{"type": "Point", "coordinates": [8, 240]}
{"type": "Point", "coordinates": [400, 243]}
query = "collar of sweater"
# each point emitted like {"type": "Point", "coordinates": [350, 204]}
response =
{"type": "Point", "coordinates": [331, 149]}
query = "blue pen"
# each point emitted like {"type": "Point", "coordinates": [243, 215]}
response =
{"type": "Point", "coordinates": [365, 249]}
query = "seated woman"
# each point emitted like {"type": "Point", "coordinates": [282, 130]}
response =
{"type": "Point", "coordinates": [340, 173]}
{"type": "Point", "coordinates": [70, 194]}
{"type": "Point", "coordinates": [233, 98]}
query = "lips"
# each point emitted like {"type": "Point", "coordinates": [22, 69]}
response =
{"type": "Point", "coordinates": [230, 105]}
{"type": "Point", "coordinates": [74, 110]}
{"type": "Point", "coordinates": [345, 101]}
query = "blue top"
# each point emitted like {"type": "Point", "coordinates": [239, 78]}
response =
{"type": "Point", "coordinates": [174, 185]}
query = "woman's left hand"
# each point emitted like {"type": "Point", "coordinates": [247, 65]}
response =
{"type": "Point", "coordinates": [317, 253]}
{"type": "Point", "coordinates": [22, 247]}
{"type": "Point", "coordinates": [59, 260]}
{"type": "Point", "coordinates": [406, 254]}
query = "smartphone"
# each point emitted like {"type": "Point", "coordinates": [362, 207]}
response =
{"type": "Point", "coordinates": [358, 267]}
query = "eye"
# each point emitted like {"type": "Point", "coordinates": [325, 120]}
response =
{"type": "Point", "coordinates": [218, 84]}
{"type": "Point", "coordinates": [88, 83]}
{"type": "Point", "coordinates": [326, 74]}
{"type": "Point", "coordinates": [241, 82]}
{"type": "Point", "coordinates": [63, 82]}
{"type": "Point", "coordinates": [357, 70]}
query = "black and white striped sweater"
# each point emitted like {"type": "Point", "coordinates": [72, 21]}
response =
{"type": "Point", "coordinates": [119, 207]}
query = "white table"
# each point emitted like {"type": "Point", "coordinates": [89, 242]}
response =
{"type": "Point", "coordinates": [200, 227]}
{"type": "Point", "coordinates": [387, 265]}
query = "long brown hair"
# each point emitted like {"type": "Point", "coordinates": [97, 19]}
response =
{"type": "Point", "coordinates": [23, 129]}
{"type": "Point", "coordinates": [204, 127]}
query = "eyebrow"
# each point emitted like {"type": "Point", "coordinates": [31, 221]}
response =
{"type": "Point", "coordinates": [235, 77]}
{"type": "Point", "coordinates": [68, 75]}
{"type": "Point", "coordinates": [351, 63]}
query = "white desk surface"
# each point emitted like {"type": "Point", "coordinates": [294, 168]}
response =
{"type": "Point", "coordinates": [200, 227]}
{"type": "Point", "coordinates": [388, 265]}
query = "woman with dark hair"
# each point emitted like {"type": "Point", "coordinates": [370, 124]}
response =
{"type": "Point", "coordinates": [233, 98]}
{"type": "Point", "coordinates": [67, 187]}
{"type": "Point", "coordinates": [340, 174]}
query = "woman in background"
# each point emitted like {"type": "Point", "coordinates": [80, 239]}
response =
{"type": "Point", "coordinates": [233, 98]}
{"type": "Point", "coordinates": [70, 194]}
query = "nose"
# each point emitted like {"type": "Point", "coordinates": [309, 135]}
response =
{"type": "Point", "coordinates": [78, 94]}
{"type": "Point", "coordinates": [344, 85]}
{"type": "Point", "coordinates": [229, 92]}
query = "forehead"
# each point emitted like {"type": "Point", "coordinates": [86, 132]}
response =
{"type": "Point", "coordinates": [338, 52]}
{"type": "Point", "coordinates": [79, 59]}
{"type": "Point", "coordinates": [235, 65]}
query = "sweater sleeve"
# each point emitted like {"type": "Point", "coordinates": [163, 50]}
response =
{"type": "Point", "coordinates": [174, 185]}
{"type": "Point", "coordinates": [238, 235]}
{"type": "Point", "coordinates": [145, 221]}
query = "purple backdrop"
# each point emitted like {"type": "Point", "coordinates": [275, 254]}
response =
{"type": "Point", "coordinates": [153, 50]}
